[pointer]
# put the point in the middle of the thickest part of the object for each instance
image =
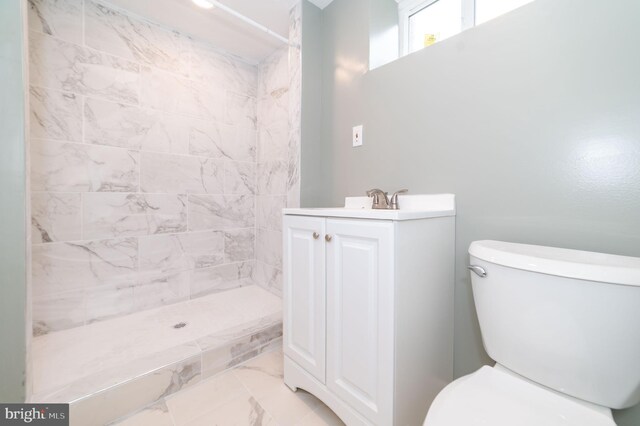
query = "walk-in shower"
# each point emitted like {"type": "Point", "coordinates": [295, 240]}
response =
{"type": "Point", "coordinates": [164, 143]}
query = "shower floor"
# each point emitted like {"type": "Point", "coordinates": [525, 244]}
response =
{"type": "Point", "coordinates": [167, 348]}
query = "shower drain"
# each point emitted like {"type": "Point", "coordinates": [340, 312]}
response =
{"type": "Point", "coordinates": [180, 325]}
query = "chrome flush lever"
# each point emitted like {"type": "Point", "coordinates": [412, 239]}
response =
{"type": "Point", "coordinates": [478, 270]}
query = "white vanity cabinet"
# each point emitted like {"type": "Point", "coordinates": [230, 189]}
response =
{"type": "Point", "coordinates": [368, 307]}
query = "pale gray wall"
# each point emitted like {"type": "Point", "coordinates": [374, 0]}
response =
{"type": "Point", "coordinates": [311, 108]}
{"type": "Point", "coordinates": [13, 237]}
{"type": "Point", "coordinates": [532, 120]}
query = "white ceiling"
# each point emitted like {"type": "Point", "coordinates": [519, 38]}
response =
{"type": "Point", "coordinates": [321, 3]}
{"type": "Point", "coordinates": [218, 27]}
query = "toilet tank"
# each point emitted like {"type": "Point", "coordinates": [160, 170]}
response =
{"type": "Point", "coordinates": [566, 319]}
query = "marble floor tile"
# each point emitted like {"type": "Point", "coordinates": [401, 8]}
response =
{"type": "Point", "coordinates": [207, 395]}
{"type": "Point", "coordinates": [289, 408]}
{"type": "Point", "coordinates": [252, 394]}
{"type": "Point", "coordinates": [155, 415]}
{"type": "Point", "coordinates": [242, 411]}
{"type": "Point", "coordinates": [262, 375]}
{"type": "Point", "coordinates": [323, 416]}
{"type": "Point", "coordinates": [264, 378]}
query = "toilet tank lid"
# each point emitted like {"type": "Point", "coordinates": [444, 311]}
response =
{"type": "Point", "coordinates": [584, 265]}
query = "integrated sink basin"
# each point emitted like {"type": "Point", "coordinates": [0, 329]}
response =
{"type": "Point", "coordinates": [411, 207]}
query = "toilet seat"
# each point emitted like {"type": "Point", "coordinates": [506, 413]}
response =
{"type": "Point", "coordinates": [498, 397]}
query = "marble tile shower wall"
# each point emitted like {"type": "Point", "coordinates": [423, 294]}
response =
{"type": "Point", "coordinates": [279, 101]}
{"type": "Point", "coordinates": [273, 139]}
{"type": "Point", "coordinates": [146, 163]}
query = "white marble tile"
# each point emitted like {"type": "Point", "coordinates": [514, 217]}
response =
{"type": "Point", "coordinates": [58, 311]}
{"type": "Point", "coordinates": [220, 278]}
{"type": "Point", "coordinates": [55, 217]}
{"type": "Point", "coordinates": [295, 106]}
{"type": "Point", "coordinates": [84, 361]}
{"type": "Point", "coordinates": [239, 244]}
{"type": "Point", "coordinates": [272, 178]}
{"type": "Point", "coordinates": [222, 351]}
{"type": "Point", "coordinates": [104, 354]}
{"type": "Point", "coordinates": [231, 73]}
{"type": "Point", "coordinates": [244, 410]}
{"type": "Point", "coordinates": [155, 415]}
{"type": "Point", "coordinates": [269, 211]}
{"type": "Point", "coordinates": [269, 247]}
{"type": "Point", "coordinates": [273, 143]}
{"type": "Point", "coordinates": [274, 73]}
{"type": "Point", "coordinates": [61, 18]}
{"type": "Point", "coordinates": [239, 177]}
{"type": "Point", "coordinates": [209, 99]}
{"type": "Point", "coordinates": [109, 123]}
{"type": "Point", "coordinates": [120, 400]}
{"type": "Point", "coordinates": [293, 177]}
{"type": "Point", "coordinates": [169, 133]}
{"type": "Point", "coordinates": [268, 277]}
{"type": "Point", "coordinates": [274, 107]}
{"type": "Point", "coordinates": [108, 301]}
{"type": "Point", "coordinates": [241, 110]}
{"type": "Point", "coordinates": [222, 141]}
{"type": "Point", "coordinates": [219, 212]}
{"type": "Point", "coordinates": [263, 377]}
{"type": "Point", "coordinates": [180, 174]}
{"type": "Point", "coordinates": [289, 408]}
{"type": "Point", "coordinates": [112, 31]}
{"type": "Point", "coordinates": [251, 301]}
{"type": "Point", "coordinates": [177, 95]}
{"type": "Point", "coordinates": [272, 345]}
{"type": "Point", "coordinates": [126, 214]}
{"type": "Point", "coordinates": [55, 115]}
{"type": "Point", "coordinates": [205, 396]}
{"type": "Point", "coordinates": [322, 416]}
{"type": "Point", "coordinates": [158, 288]}
{"type": "Point", "coordinates": [59, 267]}
{"type": "Point", "coordinates": [73, 167]}
{"type": "Point", "coordinates": [60, 65]}
{"type": "Point", "coordinates": [181, 252]}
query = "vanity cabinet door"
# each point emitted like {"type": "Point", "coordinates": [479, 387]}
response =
{"type": "Point", "coordinates": [304, 295]}
{"type": "Point", "coordinates": [360, 318]}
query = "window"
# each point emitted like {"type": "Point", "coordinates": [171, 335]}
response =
{"type": "Point", "coordinates": [489, 9]}
{"type": "Point", "coordinates": [425, 22]}
{"type": "Point", "coordinates": [437, 21]}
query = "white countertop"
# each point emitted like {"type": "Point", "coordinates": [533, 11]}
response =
{"type": "Point", "coordinates": [411, 207]}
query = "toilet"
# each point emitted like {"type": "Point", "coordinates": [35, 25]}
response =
{"type": "Point", "coordinates": [564, 329]}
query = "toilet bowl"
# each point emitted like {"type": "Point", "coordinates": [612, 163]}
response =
{"type": "Point", "coordinates": [564, 329]}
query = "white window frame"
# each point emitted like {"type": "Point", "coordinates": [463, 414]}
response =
{"type": "Point", "coordinates": [407, 8]}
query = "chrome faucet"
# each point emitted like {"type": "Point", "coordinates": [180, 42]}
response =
{"type": "Point", "coordinates": [380, 198]}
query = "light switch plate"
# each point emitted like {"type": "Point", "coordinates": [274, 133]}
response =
{"type": "Point", "coordinates": [357, 135]}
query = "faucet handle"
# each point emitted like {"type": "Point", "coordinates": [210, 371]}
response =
{"type": "Point", "coordinates": [393, 204]}
{"type": "Point", "coordinates": [380, 198]}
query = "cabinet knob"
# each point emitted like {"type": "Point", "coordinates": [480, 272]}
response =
{"type": "Point", "coordinates": [316, 235]}
{"type": "Point", "coordinates": [327, 238]}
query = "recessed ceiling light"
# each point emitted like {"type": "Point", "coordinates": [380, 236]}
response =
{"type": "Point", "coordinates": [205, 4]}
